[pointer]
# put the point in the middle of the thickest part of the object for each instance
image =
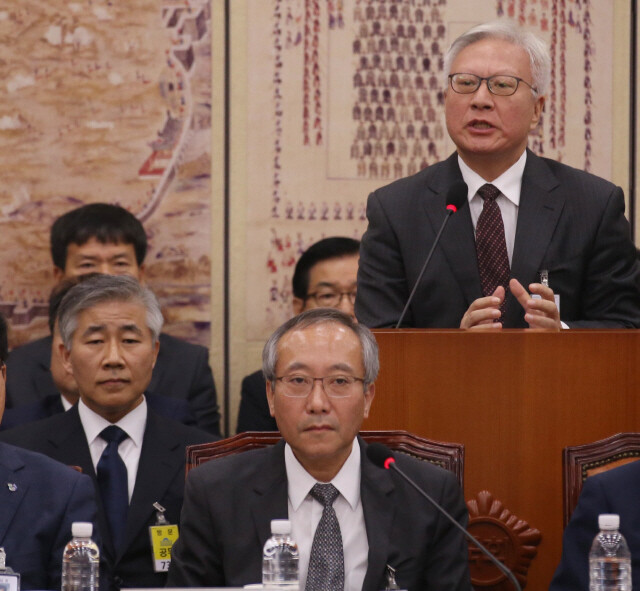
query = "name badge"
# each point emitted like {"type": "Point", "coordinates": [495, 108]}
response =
{"type": "Point", "coordinates": [9, 581]}
{"type": "Point", "coordinates": [163, 538]}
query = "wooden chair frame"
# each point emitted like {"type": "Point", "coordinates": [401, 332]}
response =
{"type": "Point", "coordinates": [449, 456]}
{"type": "Point", "coordinates": [581, 461]}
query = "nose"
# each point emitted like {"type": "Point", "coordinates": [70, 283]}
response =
{"type": "Point", "coordinates": [345, 305]}
{"type": "Point", "coordinates": [318, 401]}
{"type": "Point", "coordinates": [113, 355]}
{"type": "Point", "coordinates": [482, 98]}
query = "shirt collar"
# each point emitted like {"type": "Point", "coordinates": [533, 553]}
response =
{"type": "Point", "coordinates": [300, 482]}
{"type": "Point", "coordinates": [508, 183]}
{"type": "Point", "coordinates": [133, 423]}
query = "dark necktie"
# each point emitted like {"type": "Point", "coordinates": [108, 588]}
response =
{"type": "Point", "coordinates": [491, 246]}
{"type": "Point", "coordinates": [326, 563]}
{"type": "Point", "coordinates": [112, 482]}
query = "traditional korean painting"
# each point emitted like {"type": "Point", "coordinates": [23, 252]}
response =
{"type": "Point", "coordinates": [106, 101]}
{"type": "Point", "coordinates": [345, 96]}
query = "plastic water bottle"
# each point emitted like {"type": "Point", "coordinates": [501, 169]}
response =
{"type": "Point", "coordinates": [280, 558]}
{"type": "Point", "coordinates": [609, 558]}
{"type": "Point", "coordinates": [81, 560]}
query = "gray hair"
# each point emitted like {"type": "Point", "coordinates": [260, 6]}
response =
{"type": "Point", "coordinates": [103, 289]}
{"type": "Point", "coordinates": [323, 316]}
{"type": "Point", "coordinates": [539, 56]}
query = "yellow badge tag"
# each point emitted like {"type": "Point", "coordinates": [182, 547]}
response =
{"type": "Point", "coordinates": [162, 539]}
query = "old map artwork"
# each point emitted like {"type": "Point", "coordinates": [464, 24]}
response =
{"type": "Point", "coordinates": [347, 95]}
{"type": "Point", "coordinates": [106, 101]}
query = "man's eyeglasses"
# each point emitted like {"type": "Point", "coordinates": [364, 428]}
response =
{"type": "Point", "coordinates": [299, 386]}
{"type": "Point", "coordinates": [500, 84]}
{"type": "Point", "coordinates": [331, 299]}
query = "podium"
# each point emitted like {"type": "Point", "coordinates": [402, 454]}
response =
{"type": "Point", "coordinates": [515, 399]}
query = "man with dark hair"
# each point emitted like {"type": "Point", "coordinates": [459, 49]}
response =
{"type": "Point", "coordinates": [67, 390]}
{"type": "Point", "coordinates": [104, 238]}
{"type": "Point", "coordinates": [39, 500]}
{"type": "Point", "coordinates": [110, 328]}
{"type": "Point", "coordinates": [324, 277]}
{"type": "Point", "coordinates": [351, 520]}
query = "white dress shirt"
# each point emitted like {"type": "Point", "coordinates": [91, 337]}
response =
{"type": "Point", "coordinates": [133, 424]}
{"type": "Point", "coordinates": [509, 184]}
{"type": "Point", "coordinates": [305, 513]}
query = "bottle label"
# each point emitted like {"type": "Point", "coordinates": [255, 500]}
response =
{"type": "Point", "coordinates": [162, 539]}
{"type": "Point", "coordinates": [9, 581]}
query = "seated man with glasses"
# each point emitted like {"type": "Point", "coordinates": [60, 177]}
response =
{"type": "Point", "coordinates": [541, 244]}
{"type": "Point", "coordinates": [351, 520]}
{"type": "Point", "coordinates": [324, 277]}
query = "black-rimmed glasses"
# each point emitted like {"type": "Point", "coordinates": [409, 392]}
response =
{"type": "Point", "coordinates": [500, 84]}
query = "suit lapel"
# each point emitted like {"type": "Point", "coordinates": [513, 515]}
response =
{"type": "Point", "coordinates": [538, 214]}
{"type": "Point", "coordinates": [161, 457]}
{"type": "Point", "coordinates": [457, 241]}
{"type": "Point", "coordinates": [376, 490]}
{"type": "Point", "coordinates": [270, 495]}
{"type": "Point", "coordinates": [12, 488]}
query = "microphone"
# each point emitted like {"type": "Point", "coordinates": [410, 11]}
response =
{"type": "Point", "coordinates": [456, 198]}
{"type": "Point", "coordinates": [382, 457]}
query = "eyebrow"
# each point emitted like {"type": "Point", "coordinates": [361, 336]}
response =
{"type": "Point", "coordinates": [336, 366]}
{"type": "Point", "coordinates": [330, 284]}
{"type": "Point", "coordinates": [96, 328]}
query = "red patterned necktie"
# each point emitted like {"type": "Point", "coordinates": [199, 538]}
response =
{"type": "Point", "coordinates": [491, 246]}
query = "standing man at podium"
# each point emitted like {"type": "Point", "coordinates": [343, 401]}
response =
{"type": "Point", "coordinates": [541, 244]}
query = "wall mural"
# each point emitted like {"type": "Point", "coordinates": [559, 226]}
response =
{"type": "Point", "coordinates": [106, 101]}
{"type": "Point", "coordinates": [346, 96]}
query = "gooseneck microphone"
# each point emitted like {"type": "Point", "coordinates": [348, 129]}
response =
{"type": "Point", "coordinates": [382, 457]}
{"type": "Point", "coordinates": [456, 198]}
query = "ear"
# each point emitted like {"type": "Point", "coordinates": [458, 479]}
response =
{"type": "Point", "coordinates": [156, 350]}
{"type": "Point", "coordinates": [65, 355]}
{"type": "Point", "coordinates": [298, 305]}
{"type": "Point", "coordinates": [369, 394]}
{"type": "Point", "coordinates": [270, 397]}
{"type": "Point", "coordinates": [58, 274]}
{"type": "Point", "coordinates": [538, 107]}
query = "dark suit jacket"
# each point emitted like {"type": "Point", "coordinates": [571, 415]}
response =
{"type": "Point", "coordinates": [181, 371]}
{"type": "Point", "coordinates": [36, 517]}
{"type": "Point", "coordinates": [615, 491]}
{"type": "Point", "coordinates": [172, 408]}
{"type": "Point", "coordinates": [230, 502]}
{"type": "Point", "coordinates": [254, 414]}
{"type": "Point", "coordinates": [160, 478]}
{"type": "Point", "coordinates": [569, 222]}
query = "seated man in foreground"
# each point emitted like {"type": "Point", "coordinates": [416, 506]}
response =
{"type": "Point", "coordinates": [320, 369]}
{"type": "Point", "coordinates": [39, 501]}
{"type": "Point", "coordinates": [614, 491]}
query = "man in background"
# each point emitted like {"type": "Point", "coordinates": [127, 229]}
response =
{"type": "Point", "coordinates": [104, 238]}
{"type": "Point", "coordinates": [324, 277]}
{"type": "Point", "coordinates": [352, 521]}
{"type": "Point", "coordinates": [110, 328]}
{"type": "Point", "coordinates": [39, 500]}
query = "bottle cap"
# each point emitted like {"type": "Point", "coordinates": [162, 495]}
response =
{"type": "Point", "coordinates": [280, 526]}
{"type": "Point", "coordinates": [609, 521]}
{"type": "Point", "coordinates": [81, 529]}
